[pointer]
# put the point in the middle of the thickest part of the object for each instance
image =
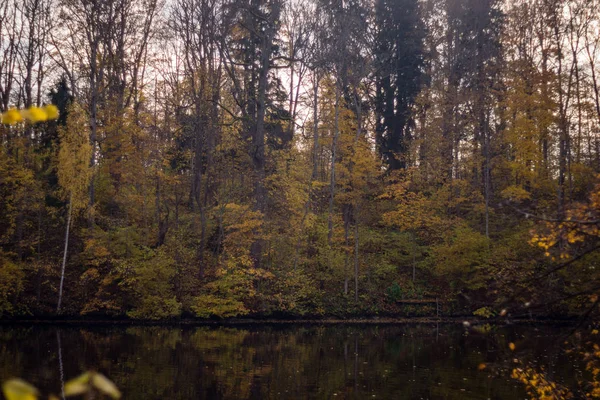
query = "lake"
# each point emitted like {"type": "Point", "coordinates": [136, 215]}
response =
{"type": "Point", "coordinates": [287, 361]}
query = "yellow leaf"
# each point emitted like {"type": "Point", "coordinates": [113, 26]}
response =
{"type": "Point", "coordinates": [76, 389]}
{"type": "Point", "coordinates": [17, 389]}
{"type": "Point", "coordinates": [51, 111]}
{"type": "Point", "coordinates": [481, 366]}
{"type": "Point", "coordinates": [511, 346]}
{"type": "Point", "coordinates": [106, 386]}
{"type": "Point", "coordinates": [78, 386]}
{"type": "Point", "coordinates": [11, 117]}
{"type": "Point", "coordinates": [34, 114]}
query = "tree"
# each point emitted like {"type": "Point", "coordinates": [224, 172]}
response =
{"type": "Point", "coordinates": [74, 173]}
{"type": "Point", "coordinates": [399, 61]}
{"type": "Point", "coordinates": [253, 27]}
{"type": "Point", "coordinates": [197, 25]}
{"type": "Point", "coordinates": [101, 46]}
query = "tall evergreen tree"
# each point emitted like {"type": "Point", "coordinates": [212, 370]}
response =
{"type": "Point", "coordinates": [399, 59]}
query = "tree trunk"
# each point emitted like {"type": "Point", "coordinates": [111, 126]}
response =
{"type": "Point", "coordinates": [346, 243]}
{"type": "Point", "coordinates": [486, 178]}
{"type": "Point", "coordinates": [64, 261]}
{"type": "Point", "coordinates": [356, 242]}
{"type": "Point", "coordinates": [414, 261]}
{"type": "Point", "coordinates": [336, 134]}
{"type": "Point", "coordinates": [258, 137]}
{"type": "Point", "coordinates": [316, 127]}
{"type": "Point", "coordinates": [313, 176]}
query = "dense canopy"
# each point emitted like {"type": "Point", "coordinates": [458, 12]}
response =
{"type": "Point", "coordinates": [219, 158]}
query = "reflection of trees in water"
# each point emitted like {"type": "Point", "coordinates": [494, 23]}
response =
{"type": "Point", "coordinates": [274, 361]}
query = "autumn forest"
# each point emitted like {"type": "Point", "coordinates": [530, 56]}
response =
{"type": "Point", "coordinates": [300, 158]}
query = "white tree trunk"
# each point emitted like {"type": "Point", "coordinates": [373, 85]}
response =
{"type": "Point", "coordinates": [64, 262]}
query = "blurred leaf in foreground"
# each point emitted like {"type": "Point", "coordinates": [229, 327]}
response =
{"type": "Point", "coordinates": [18, 389]}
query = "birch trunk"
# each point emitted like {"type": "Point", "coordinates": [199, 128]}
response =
{"type": "Point", "coordinates": [64, 261]}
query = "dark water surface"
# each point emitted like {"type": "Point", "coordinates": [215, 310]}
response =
{"type": "Point", "coordinates": [287, 361]}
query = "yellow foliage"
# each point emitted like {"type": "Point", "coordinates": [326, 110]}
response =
{"type": "Point", "coordinates": [515, 193]}
{"type": "Point", "coordinates": [17, 389]}
{"type": "Point", "coordinates": [529, 113]}
{"type": "Point", "coordinates": [413, 210]}
{"type": "Point", "coordinates": [242, 227]}
{"type": "Point", "coordinates": [210, 305]}
{"type": "Point", "coordinates": [31, 114]}
{"type": "Point", "coordinates": [538, 386]}
{"type": "Point", "coordinates": [90, 381]}
{"type": "Point", "coordinates": [51, 111]}
{"type": "Point", "coordinates": [74, 172]}
{"type": "Point", "coordinates": [11, 117]}
{"type": "Point", "coordinates": [578, 226]}
{"type": "Point", "coordinates": [34, 114]}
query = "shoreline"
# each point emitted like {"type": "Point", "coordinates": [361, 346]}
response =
{"type": "Point", "coordinates": [282, 321]}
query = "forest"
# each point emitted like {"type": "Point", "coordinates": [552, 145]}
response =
{"type": "Point", "coordinates": [300, 158]}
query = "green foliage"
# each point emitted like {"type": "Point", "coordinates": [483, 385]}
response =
{"type": "Point", "coordinates": [464, 257]}
{"type": "Point", "coordinates": [152, 283]}
{"type": "Point", "coordinates": [11, 284]}
{"type": "Point", "coordinates": [209, 305]}
{"type": "Point", "coordinates": [110, 259]}
{"type": "Point", "coordinates": [231, 293]}
{"type": "Point", "coordinates": [408, 290]}
{"type": "Point", "coordinates": [296, 293]}
{"type": "Point", "coordinates": [485, 312]}
{"type": "Point", "coordinates": [394, 292]}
